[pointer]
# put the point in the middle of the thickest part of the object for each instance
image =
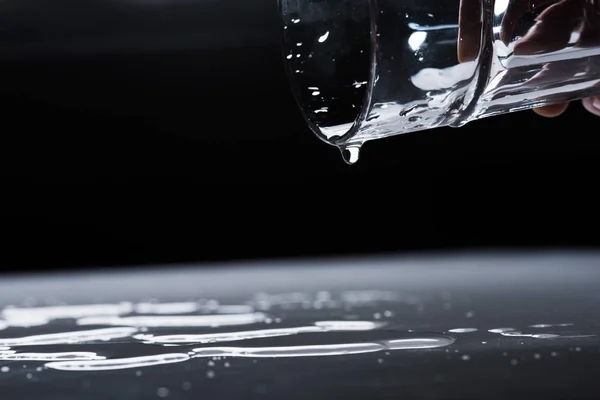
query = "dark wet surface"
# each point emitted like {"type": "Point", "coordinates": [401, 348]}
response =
{"type": "Point", "coordinates": [493, 326]}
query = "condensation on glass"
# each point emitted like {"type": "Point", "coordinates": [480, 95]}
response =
{"type": "Point", "coordinates": [369, 69]}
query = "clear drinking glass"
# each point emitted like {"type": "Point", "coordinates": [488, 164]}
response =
{"type": "Point", "coordinates": [367, 69]}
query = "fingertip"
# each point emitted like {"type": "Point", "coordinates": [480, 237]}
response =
{"type": "Point", "coordinates": [553, 110]}
{"type": "Point", "coordinates": [592, 104]}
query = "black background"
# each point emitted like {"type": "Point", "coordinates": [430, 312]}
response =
{"type": "Point", "coordinates": [146, 136]}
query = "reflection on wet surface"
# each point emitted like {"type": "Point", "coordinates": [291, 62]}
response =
{"type": "Point", "coordinates": [419, 328]}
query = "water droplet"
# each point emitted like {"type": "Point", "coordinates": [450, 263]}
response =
{"type": "Point", "coordinates": [350, 154]}
{"type": "Point", "coordinates": [380, 360]}
{"type": "Point", "coordinates": [226, 364]}
{"type": "Point", "coordinates": [211, 363]}
{"type": "Point", "coordinates": [462, 330]}
{"type": "Point", "coordinates": [29, 375]}
{"type": "Point", "coordinates": [553, 354]}
{"type": "Point", "coordinates": [210, 374]}
{"type": "Point", "coordinates": [299, 44]}
{"type": "Point", "coordinates": [377, 316]}
{"type": "Point", "coordinates": [295, 21]}
{"type": "Point", "coordinates": [465, 357]}
{"type": "Point", "coordinates": [577, 348]}
{"type": "Point", "coordinates": [501, 330]}
{"type": "Point", "coordinates": [544, 336]}
{"type": "Point", "coordinates": [537, 356]}
{"type": "Point", "coordinates": [323, 37]}
{"type": "Point", "coordinates": [514, 361]}
{"type": "Point", "coordinates": [289, 57]}
{"type": "Point", "coordinates": [316, 93]}
{"type": "Point", "coordinates": [5, 369]}
{"type": "Point", "coordinates": [469, 314]}
{"type": "Point", "coordinates": [162, 392]}
{"type": "Point", "coordinates": [186, 385]}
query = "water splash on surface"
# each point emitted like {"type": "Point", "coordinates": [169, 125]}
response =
{"type": "Point", "coordinates": [176, 321]}
{"type": "Point", "coordinates": [73, 356]}
{"type": "Point", "coordinates": [319, 327]}
{"type": "Point", "coordinates": [420, 342]}
{"type": "Point", "coordinates": [122, 363]}
{"type": "Point", "coordinates": [365, 325]}
{"type": "Point", "coordinates": [70, 337]}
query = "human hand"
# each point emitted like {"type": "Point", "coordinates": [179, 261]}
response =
{"type": "Point", "coordinates": [552, 31]}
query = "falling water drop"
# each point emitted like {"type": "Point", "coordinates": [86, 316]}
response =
{"type": "Point", "coordinates": [350, 154]}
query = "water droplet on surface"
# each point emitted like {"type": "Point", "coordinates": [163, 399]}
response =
{"type": "Point", "coordinates": [118, 363]}
{"type": "Point", "coordinates": [514, 361]}
{"type": "Point", "coordinates": [323, 37]}
{"type": "Point", "coordinates": [469, 314]}
{"type": "Point", "coordinates": [5, 369]}
{"type": "Point", "coordinates": [462, 330]}
{"type": "Point", "coordinates": [501, 330]}
{"type": "Point", "coordinates": [465, 357]}
{"type": "Point", "coordinates": [350, 154]}
{"type": "Point", "coordinates": [210, 374]}
{"type": "Point", "coordinates": [537, 356]}
{"type": "Point", "coordinates": [162, 392]}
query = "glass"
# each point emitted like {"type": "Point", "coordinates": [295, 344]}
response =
{"type": "Point", "coordinates": [368, 69]}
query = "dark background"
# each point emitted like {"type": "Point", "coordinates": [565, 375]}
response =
{"type": "Point", "coordinates": [153, 132]}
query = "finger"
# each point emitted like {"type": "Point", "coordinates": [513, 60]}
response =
{"type": "Point", "coordinates": [553, 110]}
{"type": "Point", "coordinates": [516, 10]}
{"type": "Point", "coordinates": [553, 28]}
{"type": "Point", "coordinates": [592, 104]}
{"type": "Point", "coordinates": [469, 30]}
